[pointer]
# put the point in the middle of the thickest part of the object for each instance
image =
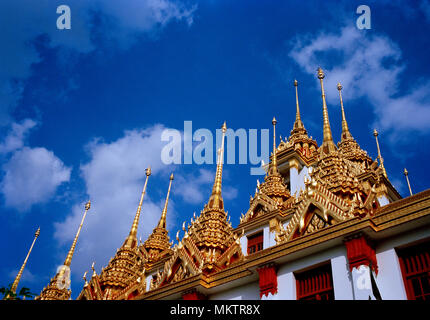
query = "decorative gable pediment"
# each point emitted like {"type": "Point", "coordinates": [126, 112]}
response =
{"type": "Point", "coordinates": [259, 205]}
{"type": "Point", "coordinates": [317, 209]}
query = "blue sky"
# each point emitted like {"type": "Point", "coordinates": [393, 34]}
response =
{"type": "Point", "coordinates": [82, 110]}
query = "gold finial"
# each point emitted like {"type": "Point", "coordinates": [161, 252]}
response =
{"type": "Point", "coordinates": [85, 278]}
{"type": "Point", "coordinates": [94, 269]}
{"type": "Point", "coordinates": [216, 199]}
{"type": "Point", "coordinates": [69, 257]}
{"type": "Point", "coordinates": [131, 240]}
{"type": "Point", "coordinates": [21, 270]}
{"type": "Point", "coordinates": [298, 123]}
{"type": "Point", "coordinates": [162, 222]}
{"type": "Point", "coordinates": [405, 172]}
{"type": "Point", "coordinates": [328, 144]}
{"type": "Point", "coordinates": [345, 130]}
{"type": "Point", "coordinates": [381, 160]}
{"type": "Point", "coordinates": [273, 166]}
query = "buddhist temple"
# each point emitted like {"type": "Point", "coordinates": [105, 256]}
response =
{"type": "Point", "coordinates": [325, 223]}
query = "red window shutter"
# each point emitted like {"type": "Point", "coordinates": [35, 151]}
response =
{"type": "Point", "coordinates": [415, 267]}
{"type": "Point", "coordinates": [268, 280]}
{"type": "Point", "coordinates": [255, 243]}
{"type": "Point", "coordinates": [315, 284]}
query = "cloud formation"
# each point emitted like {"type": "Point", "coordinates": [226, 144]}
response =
{"type": "Point", "coordinates": [30, 175]}
{"type": "Point", "coordinates": [369, 65]}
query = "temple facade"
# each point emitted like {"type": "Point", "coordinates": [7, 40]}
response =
{"type": "Point", "coordinates": [326, 223]}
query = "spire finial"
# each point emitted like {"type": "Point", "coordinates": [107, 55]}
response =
{"type": "Point", "coordinates": [345, 130]}
{"type": "Point", "coordinates": [273, 166]}
{"type": "Point", "coordinates": [298, 123]}
{"type": "Point", "coordinates": [328, 144]}
{"type": "Point", "coordinates": [21, 270]}
{"type": "Point", "coordinates": [69, 257]}
{"type": "Point", "coordinates": [406, 173]}
{"type": "Point", "coordinates": [381, 160]}
{"type": "Point", "coordinates": [162, 222]}
{"type": "Point", "coordinates": [131, 240]}
{"type": "Point", "coordinates": [216, 199]}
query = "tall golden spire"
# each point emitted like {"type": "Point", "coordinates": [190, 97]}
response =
{"type": "Point", "coordinates": [18, 277]}
{"type": "Point", "coordinates": [406, 173]}
{"type": "Point", "coordinates": [298, 123]}
{"type": "Point", "coordinates": [131, 240]}
{"type": "Point", "coordinates": [162, 222]}
{"type": "Point", "coordinates": [273, 165]}
{"type": "Point", "coordinates": [69, 257]}
{"type": "Point", "coordinates": [345, 130]}
{"type": "Point", "coordinates": [381, 160]}
{"type": "Point", "coordinates": [215, 199]}
{"type": "Point", "coordinates": [328, 144]}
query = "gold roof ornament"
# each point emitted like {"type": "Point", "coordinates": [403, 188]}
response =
{"type": "Point", "coordinates": [328, 145]}
{"type": "Point", "coordinates": [348, 147]}
{"type": "Point", "coordinates": [406, 173]}
{"type": "Point", "coordinates": [21, 270]}
{"type": "Point", "coordinates": [162, 223]}
{"type": "Point", "coordinates": [127, 264]}
{"type": "Point", "coordinates": [298, 124]}
{"type": "Point", "coordinates": [131, 240]}
{"type": "Point", "coordinates": [273, 185]}
{"type": "Point", "coordinates": [58, 289]}
{"type": "Point", "coordinates": [215, 200]}
{"type": "Point", "coordinates": [299, 139]}
{"type": "Point", "coordinates": [158, 243]}
{"type": "Point", "coordinates": [69, 257]}
{"type": "Point", "coordinates": [345, 130]}
{"type": "Point", "coordinates": [381, 160]}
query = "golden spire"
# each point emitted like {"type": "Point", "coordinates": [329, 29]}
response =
{"type": "Point", "coordinates": [18, 277]}
{"type": "Point", "coordinates": [345, 130]}
{"type": "Point", "coordinates": [405, 172]}
{"type": "Point", "coordinates": [381, 160]}
{"type": "Point", "coordinates": [216, 199]}
{"type": "Point", "coordinates": [162, 222]}
{"type": "Point", "coordinates": [298, 123]}
{"type": "Point", "coordinates": [69, 257]}
{"type": "Point", "coordinates": [328, 144]}
{"type": "Point", "coordinates": [131, 240]}
{"type": "Point", "coordinates": [273, 166]}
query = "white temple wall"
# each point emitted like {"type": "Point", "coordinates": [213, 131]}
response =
{"type": "Point", "coordinates": [389, 279]}
{"type": "Point", "coordinates": [297, 179]}
{"type": "Point", "coordinates": [341, 279]}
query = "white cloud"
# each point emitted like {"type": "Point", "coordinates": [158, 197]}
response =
{"type": "Point", "coordinates": [15, 139]}
{"type": "Point", "coordinates": [32, 176]}
{"type": "Point", "coordinates": [370, 66]}
{"type": "Point", "coordinates": [194, 188]}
